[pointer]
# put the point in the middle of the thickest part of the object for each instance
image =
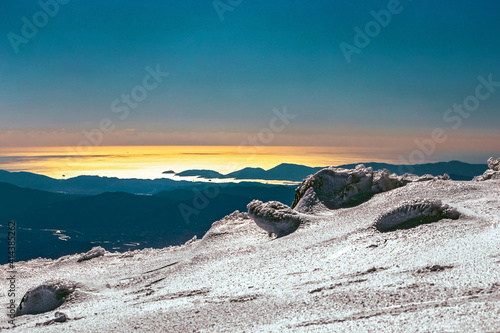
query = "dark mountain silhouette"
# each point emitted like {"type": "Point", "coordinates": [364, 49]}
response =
{"type": "Point", "coordinates": [293, 172]}
{"type": "Point", "coordinates": [14, 199]}
{"type": "Point", "coordinates": [247, 173]}
{"type": "Point", "coordinates": [90, 185]}
{"type": "Point", "coordinates": [120, 218]}
{"type": "Point", "coordinates": [30, 180]}
{"type": "Point", "coordinates": [200, 173]}
{"type": "Point", "coordinates": [285, 171]}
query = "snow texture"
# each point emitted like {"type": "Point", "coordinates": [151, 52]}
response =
{"type": "Point", "coordinates": [415, 212]}
{"type": "Point", "coordinates": [95, 252]}
{"type": "Point", "coordinates": [339, 274]}
{"type": "Point", "coordinates": [334, 188]}
{"type": "Point", "coordinates": [275, 217]}
{"type": "Point", "coordinates": [492, 173]}
{"type": "Point", "coordinates": [227, 225]}
{"type": "Point", "coordinates": [45, 297]}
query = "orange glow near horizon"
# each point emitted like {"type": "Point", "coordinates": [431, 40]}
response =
{"type": "Point", "coordinates": [151, 161]}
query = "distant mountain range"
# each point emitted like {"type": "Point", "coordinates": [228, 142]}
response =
{"type": "Point", "coordinates": [92, 185]}
{"type": "Point", "coordinates": [293, 172]}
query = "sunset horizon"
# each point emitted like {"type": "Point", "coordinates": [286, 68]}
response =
{"type": "Point", "coordinates": [150, 161]}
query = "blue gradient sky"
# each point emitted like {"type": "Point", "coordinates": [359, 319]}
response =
{"type": "Point", "coordinates": [226, 76]}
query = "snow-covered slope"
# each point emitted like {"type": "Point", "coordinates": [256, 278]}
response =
{"type": "Point", "coordinates": [336, 273]}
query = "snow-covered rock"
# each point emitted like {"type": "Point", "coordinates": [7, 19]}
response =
{"type": "Point", "coordinates": [494, 164]}
{"type": "Point", "coordinates": [415, 212]}
{"type": "Point", "coordinates": [45, 297]}
{"type": "Point", "coordinates": [333, 188]}
{"type": "Point", "coordinates": [275, 217]}
{"type": "Point", "coordinates": [493, 172]}
{"type": "Point", "coordinates": [95, 252]}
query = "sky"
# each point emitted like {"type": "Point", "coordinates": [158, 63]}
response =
{"type": "Point", "coordinates": [226, 72]}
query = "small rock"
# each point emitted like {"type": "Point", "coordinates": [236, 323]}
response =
{"type": "Point", "coordinates": [492, 173]}
{"type": "Point", "coordinates": [275, 217]}
{"type": "Point", "coordinates": [45, 297]}
{"type": "Point", "coordinates": [93, 253]}
{"type": "Point", "coordinates": [415, 212]}
{"type": "Point", "coordinates": [60, 317]}
{"type": "Point", "coordinates": [494, 164]}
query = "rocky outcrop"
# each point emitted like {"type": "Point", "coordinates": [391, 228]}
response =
{"type": "Point", "coordinates": [492, 173]}
{"type": "Point", "coordinates": [45, 297]}
{"type": "Point", "coordinates": [330, 188]}
{"type": "Point", "coordinates": [95, 252]}
{"type": "Point", "coordinates": [334, 188]}
{"type": "Point", "coordinates": [275, 217]}
{"type": "Point", "coordinates": [415, 212]}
